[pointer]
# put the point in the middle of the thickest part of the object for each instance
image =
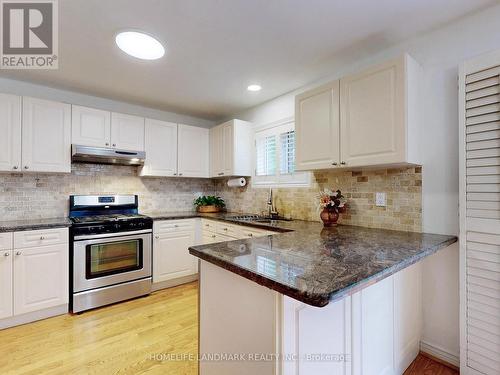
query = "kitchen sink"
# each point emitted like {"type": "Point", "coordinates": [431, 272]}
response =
{"type": "Point", "coordinates": [257, 218]}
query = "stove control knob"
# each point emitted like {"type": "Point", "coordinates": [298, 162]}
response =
{"type": "Point", "coordinates": [141, 224]}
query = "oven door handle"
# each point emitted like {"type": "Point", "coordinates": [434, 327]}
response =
{"type": "Point", "coordinates": [109, 235]}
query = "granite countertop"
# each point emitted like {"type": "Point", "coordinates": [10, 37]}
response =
{"type": "Point", "coordinates": [317, 265]}
{"type": "Point", "coordinates": [34, 224]}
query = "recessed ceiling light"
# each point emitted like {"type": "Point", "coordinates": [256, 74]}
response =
{"type": "Point", "coordinates": [254, 88]}
{"type": "Point", "coordinates": [140, 45]}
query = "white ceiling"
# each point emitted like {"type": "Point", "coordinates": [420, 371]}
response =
{"type": "Point", "coordinates": [215, 48]}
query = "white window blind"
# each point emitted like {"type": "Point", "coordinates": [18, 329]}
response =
{"type": "Point", "coordinates": [482, 222]}
{"type": "Point", "coordinates": [287, 141]}
{"type": "Point", "coordinates": [275, 157]}
{"type": "Point", "coordinates": [266, 156]}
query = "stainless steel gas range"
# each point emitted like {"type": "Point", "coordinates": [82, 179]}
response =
{"type": "Point", "coordinates": [111, 250]}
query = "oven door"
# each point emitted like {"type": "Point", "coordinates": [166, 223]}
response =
{"type": "Point", "coordinates": [110, 259]}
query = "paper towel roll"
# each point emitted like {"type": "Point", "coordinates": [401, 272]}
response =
{"type": "Point", "coordinates": [237, 182]}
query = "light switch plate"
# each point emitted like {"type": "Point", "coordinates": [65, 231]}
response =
{"type": "Point", "coordinates": [380, 199]}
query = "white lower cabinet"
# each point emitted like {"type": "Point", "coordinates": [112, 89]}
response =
{"type": "Point", "coordinates": [171, 258]}
{"type": "Point", "coordinates": [40, 278]}
{"type": "Point", "coordinates": [5, 283]}
{"type": "Point", "coordinates": [34, 275]}
{"type": "Point", "coordinates": [375, 331]}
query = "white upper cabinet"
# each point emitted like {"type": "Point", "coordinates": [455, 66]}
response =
{"type": "Point", "coordinates": [127, 132]}
{"type": "Point", "coordinates": [376, 123]}
{"type": "Point", "coordinates": [90, 127]}
{"type": "Point", "coordinates": [192, 151]}
{"type": "Point", "coordinates": [231, 149]}
{"type": "Point", "coordinates": [161, 149]}
{"type": "Point", "coordinates": [10, 128]}
{"type": "Point", "coordinates": [376, 114]}
{"type": "Point", "coordinates": [46, 136]}
{"type": "Point", "coordinates": [317, 128]}
{"type": "Point", "coordinates": [215, 147]}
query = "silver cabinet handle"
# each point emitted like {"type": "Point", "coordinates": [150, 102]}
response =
{"type": "Point", "coordinates": [114, 144]}
{"type": "Point", "coordinates": [180, 174]}
{"type": "Point", "coordinates": [107, 144]}
{"type": "Point", "coordinates": [224, 229]}
{"type": "Point", "coordinates": [343, 163]}
{"type": "Point", "coordinates": [6, 254]}
{"type": "Point", "coordinates": [250, 234]}
{"type": "Point", "coordinates": [175, 174]}
{"type": "Point", "coordinates": [335, 163]}
{"type": "Point", "coordinates": [157, 237]}
{"type": "Point", "coordinates": [26, 167]}
{"type": "Point", "coordinates": [18, 253]}
{"type": "Point", "coordinates": [42, 238]}
{"type": "Point", "coordinates": [213, 235]}
{"type": "Point", "coordinates": [15, 167]}
{"type": "Point", "coordinates": [176, 226]}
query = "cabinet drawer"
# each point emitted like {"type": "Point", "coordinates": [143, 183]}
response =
{"type": "Point", "coordinates": [41, 237]}
{"type": "Point", "coordinates": [173, 226]}
{"type": "Point", "coordinates": [5, 241]}
{"type": "Point", "coordinates": [247, 232]}
{"type": "Point", "coordinates": [209, 237]}
{"type": "Point", "coordinates": [208, 225]}
{"type": "Point", "coordinates": [226, 229]}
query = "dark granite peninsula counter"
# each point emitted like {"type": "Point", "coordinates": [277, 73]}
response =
{"type": "Point", "coordinates": [316, 265]}
{"type": "Point", "coordinates": [313, 300]}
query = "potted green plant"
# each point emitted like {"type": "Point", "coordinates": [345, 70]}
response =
{"type": "Point", "coordinates": [209, 203]}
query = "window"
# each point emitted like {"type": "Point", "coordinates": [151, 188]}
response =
{"type": "Point", "coordinates": [275, 157]}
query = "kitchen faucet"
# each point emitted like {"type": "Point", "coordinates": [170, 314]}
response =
{"type": "Point", "coordinates": [272, 210]}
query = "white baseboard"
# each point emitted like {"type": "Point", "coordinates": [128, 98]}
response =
{"type": "Point", "coordinates": [174, 282]}
{"type": "Point", "coordinates": [33, 316]}
{"type": "Point", "coordinates": [440, 353]}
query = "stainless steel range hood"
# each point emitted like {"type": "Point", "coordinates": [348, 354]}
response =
{"type": "Point", "coordinates": [103, 155]}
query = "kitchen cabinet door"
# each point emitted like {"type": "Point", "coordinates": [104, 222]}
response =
{"type": "Point", "coordinates": [46, 136]}
{"type": "Point", "coordinates": [5, 284]}
{"type": "Point", "coordinates": [40, 278]}
{"type": "Point", "coordinates": [171, 258]}
{"type": "Point", "coordinates": [372, 115]}
{"type": "Point", "coordinates": [216, 153]}
{"type": "Point", "coordinates": [10, 130]}
{"type": "Point", "coordinates": [227, 136]}
{"type": "Point", "coordinates": [192, 151]}
{"type": "Point", "coordinates": [317, 128]}
{"type": "Point", "coordinates": [90, 127]}
{"type": "Point", "coordinates": [161, 149]}
{"type": "Point", "coordinates": [127, 132]}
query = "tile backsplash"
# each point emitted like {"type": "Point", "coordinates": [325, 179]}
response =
{"type": "Point", "coordinates": [403, 187]}
{"type": "Point", "coordinates": [27, 196]}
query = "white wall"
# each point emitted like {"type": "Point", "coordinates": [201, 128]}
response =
{"type": "Point", "coordinates": [440, 53]}
{"type": "Point", "coordinates": [11, 86]}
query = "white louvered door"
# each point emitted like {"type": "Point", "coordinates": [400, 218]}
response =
{"type": "Point", "coordinates": [480, 221]}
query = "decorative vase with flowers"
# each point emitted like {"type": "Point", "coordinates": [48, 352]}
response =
{"type": "Point", "coordinates": [331, 204]}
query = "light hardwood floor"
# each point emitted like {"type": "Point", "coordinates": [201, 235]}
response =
{"type": "Point", "coordinates": [118, 339]}
{"type": "Point", "coordinates": [122, 339]}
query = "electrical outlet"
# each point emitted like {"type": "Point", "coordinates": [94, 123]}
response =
{"type": "Point", "coordinates": [380, 199]}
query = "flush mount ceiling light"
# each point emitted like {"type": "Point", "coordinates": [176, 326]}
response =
{"type": "Point", "coordinates": [140, 45]}
{"type": "Point", "coordinates": [254, 88]}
